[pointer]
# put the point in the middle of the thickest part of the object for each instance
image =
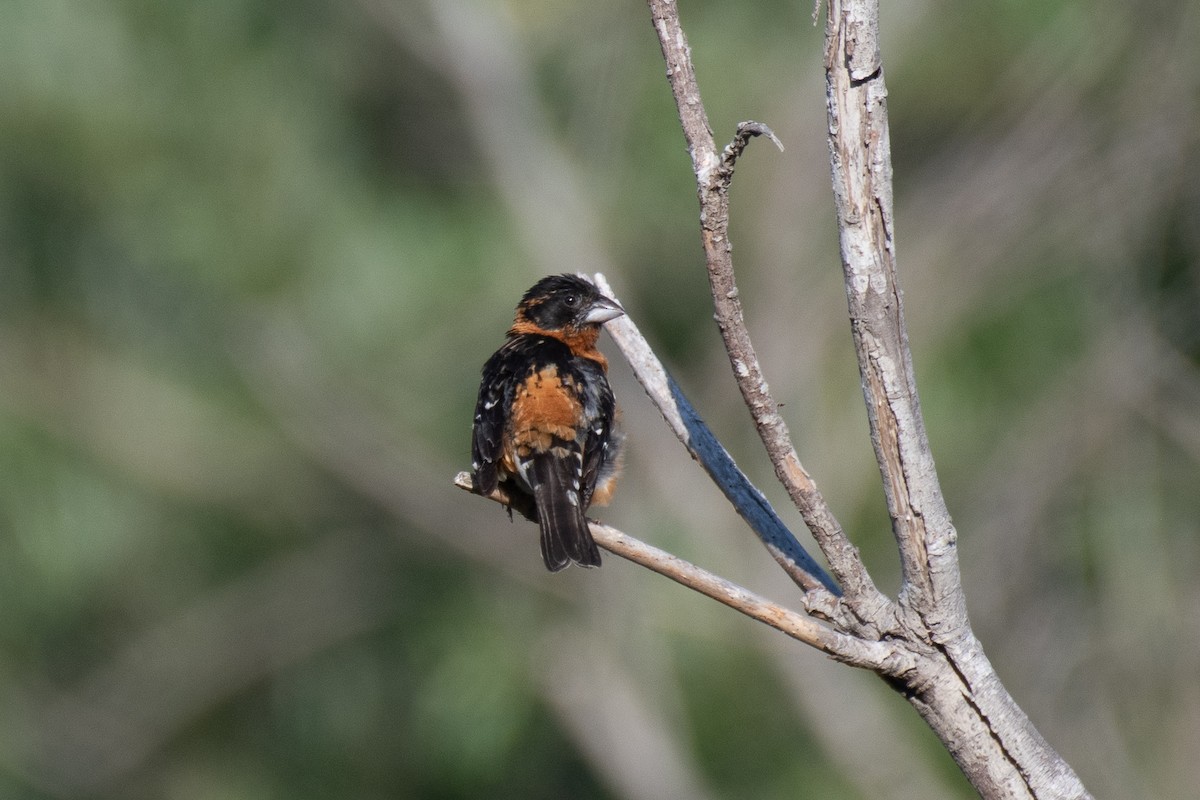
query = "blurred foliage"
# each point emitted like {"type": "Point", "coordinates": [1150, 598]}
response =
{"type": "Point", "coordinates": [252, 255]}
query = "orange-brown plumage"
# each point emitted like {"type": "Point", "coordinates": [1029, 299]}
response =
{"type": "Point", "coordinates": [544, 409]}
{"type": "Point", "coordinates": [582, 342]}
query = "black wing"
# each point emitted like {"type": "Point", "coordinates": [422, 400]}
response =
{"type": "Point", "coordinates": [491, 410]}
{"type": "Point", "coordinates": [599, 449]}
{"type": "Point", "coordinates": [502, 374]}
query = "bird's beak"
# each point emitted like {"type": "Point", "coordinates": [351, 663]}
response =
{"type": "Point", "coordinates": [603, 310]}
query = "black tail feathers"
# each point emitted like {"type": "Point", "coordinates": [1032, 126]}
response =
{"type": "Point", "coordinates": [565, 534]}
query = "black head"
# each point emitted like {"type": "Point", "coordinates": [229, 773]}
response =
{"type": "Point", "coordinates": [566, 301]}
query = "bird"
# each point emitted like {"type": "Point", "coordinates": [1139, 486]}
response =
{"type": "Point", "coordinates": [545, 423]}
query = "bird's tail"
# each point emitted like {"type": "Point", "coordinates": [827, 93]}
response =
{"type": "Point", "coordinates": [565, 534]}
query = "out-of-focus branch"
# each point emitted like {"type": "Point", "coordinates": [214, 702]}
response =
{"type": "Point", "coordinates": [86, 741]}
{"type": "Point", "coordinates": [868, 654]}
{"type": "Point", "coordinates": [619, 718]}
{"type": "Point", "coordinates": [477, 49]}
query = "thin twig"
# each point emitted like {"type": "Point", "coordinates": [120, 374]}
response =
{"type": "Point", "coordinates": [876, 655]}
{"type": "Point", "coordinates": [713, 190]}
{"type": "Point", "coordinates": [745, 132]}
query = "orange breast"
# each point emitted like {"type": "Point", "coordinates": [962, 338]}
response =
{"type": "Point", "coordinates": [545, 407]}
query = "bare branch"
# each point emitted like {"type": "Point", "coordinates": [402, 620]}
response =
{"type": "Point", "coordinates": [875, 655]}
{"type": "Point", "coordinates": [703, 446]}
{"type": "Point", "coordinates": [712, 180]}
{"type": "Point", "coordinates": [862, 182]}
{"type": "Point", "coordinates": [991, 738]}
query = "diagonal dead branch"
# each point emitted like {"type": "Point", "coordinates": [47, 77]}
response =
{"type": "Point", "coordinates": [876, 655]}
{"type": "Point", "coordinates": [703, 446]}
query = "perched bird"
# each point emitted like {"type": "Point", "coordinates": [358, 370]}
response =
{"type": "Point", "coordinates": [545, 419]}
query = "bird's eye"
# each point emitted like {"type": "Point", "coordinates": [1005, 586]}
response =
{"type": "Point", "coordinates": [571, 300]}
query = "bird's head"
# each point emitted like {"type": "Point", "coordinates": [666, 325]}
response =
{"type": "Point", "coordinates": [565, 303]}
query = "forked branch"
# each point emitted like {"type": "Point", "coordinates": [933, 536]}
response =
{"type": "Point", "coordinates": [953, 686]}
{"type": "Point", "coordinates": [713, 175]}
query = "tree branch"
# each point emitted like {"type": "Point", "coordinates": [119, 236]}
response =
{"type": "Point", "coordinates": [874, 655]}
{"type": "Point", "coordinates": [713, 175]}
{"type": "Point", "coordinates": [955, 689]}
{"type": "Point", "coordinates": [989, 736]}
{"type": "Point", "coordinates": [704, 447]}
{"type": "Point", "coordinates": [860, 154]}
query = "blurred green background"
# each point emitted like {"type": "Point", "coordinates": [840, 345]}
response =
{"type": "Point", "coordinates": [253, 254]}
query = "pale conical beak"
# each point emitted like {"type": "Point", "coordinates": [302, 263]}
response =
{"type": "Point", "coordinates": [603, 310]}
